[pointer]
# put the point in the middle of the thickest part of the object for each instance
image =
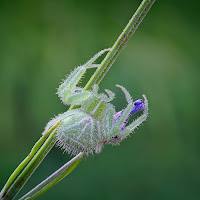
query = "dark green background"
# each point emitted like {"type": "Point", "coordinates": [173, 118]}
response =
{"type": "Point", "coordinates": [42, 41]}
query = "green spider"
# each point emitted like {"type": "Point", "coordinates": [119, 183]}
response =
{"type": "Point", "coordinates": [95, 122]}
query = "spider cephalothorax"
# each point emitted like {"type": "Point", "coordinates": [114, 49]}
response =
{"type": "Point", "coordinates": [94, 122]}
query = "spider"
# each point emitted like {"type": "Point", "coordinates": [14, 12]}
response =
{"type": "Point", "coordinates": [94, 122]}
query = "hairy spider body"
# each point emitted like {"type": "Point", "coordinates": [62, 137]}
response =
{"type": "Point", "coordinates": [95, 121]}
{"type": "Point", "coordinates": [83, 133]}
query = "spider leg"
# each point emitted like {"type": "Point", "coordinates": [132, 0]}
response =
{"type": "Point", "coordinates": [67, 90]}
{"type": "Point", "coordinates": [93, 66]}
{"type": "Point", "coordinates": [95, 88]}
{"type": "Point", "coordinates": [122, 120]}
{"type": "Point", "coordinates": [89, 64]}
{"type": "Point", "coordinates": [111, 95]}
{"type": "Point", "coordinates": [124, 115]}
{"type": "Point", "coordinates": [127, 95]}
{"type": "Point", "coordinates": [130, 128]}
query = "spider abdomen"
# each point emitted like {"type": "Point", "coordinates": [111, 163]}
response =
{"type": "Point", "coordinates": [80, 132]}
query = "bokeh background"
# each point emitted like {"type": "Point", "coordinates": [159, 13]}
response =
{"type": "Point", "coordinates": [42, 41]}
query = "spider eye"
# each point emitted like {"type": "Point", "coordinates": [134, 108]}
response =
{"type": "Point", "coordinates": [115, 137]}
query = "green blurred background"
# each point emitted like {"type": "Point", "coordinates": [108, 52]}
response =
{"type": "Point", "coordinates": [42, 41]}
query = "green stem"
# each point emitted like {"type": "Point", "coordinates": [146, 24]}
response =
{"type": "Point", "coordinates": [31, 167]}
{"type": "Point", "coordinates": [26, 160]}
{"type": "Point", "coordinates": [120, 43]}
{"type": "Point", "coordinates": [54, 178]}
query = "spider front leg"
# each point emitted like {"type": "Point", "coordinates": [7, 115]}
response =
{"type": "Point", "coordinates": [130, 128]}
{"type": "Point", "coordinates": [124, 116]}
{"type": "Point", "coordinates": [68, 92]}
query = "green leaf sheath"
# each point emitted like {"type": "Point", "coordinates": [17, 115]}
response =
{"type": "Point", "coordinates": [120, 43]}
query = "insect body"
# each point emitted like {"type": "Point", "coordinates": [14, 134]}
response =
{"type": "Point", "coordinates": [95, 122]}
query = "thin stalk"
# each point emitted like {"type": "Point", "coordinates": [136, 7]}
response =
{"type": "Point", "coordinates": [31, 167]}
{"type": "Point", "coordinates": [35, 148]}
{"type": "Point", "coordinates": [120, 43]}
{"type": "Point", "coordinates": [54, 178]}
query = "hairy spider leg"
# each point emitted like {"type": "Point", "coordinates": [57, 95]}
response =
{"type": "Point", "coordinates": [94, 58]}
{"type": "Point", "coordinates": [111, 95]}
{"type": "Point", "coordinates": [108, 120]}
{"type": "Point", "coordinates": [125, 114]}
{"type": "Point", "coordinates": [95, 89]}
{"type": "Point", "coordinates": [67, 90]}
{"type": "Point", "coordinates": [130, 128]}
{"type": "Point", "coordinates": [127, 95]}
{"type": "Point", "coordinates": [138, 105]}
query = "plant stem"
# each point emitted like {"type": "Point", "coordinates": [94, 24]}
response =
{"type": "Point", "coordinates": [120, 43]}
{"type": "Point", "coordinates": [31, 167]}
{"type": "Point", "coordinates": [26, 160]}
{"type": "Point", "coordinates": [54, 178]}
